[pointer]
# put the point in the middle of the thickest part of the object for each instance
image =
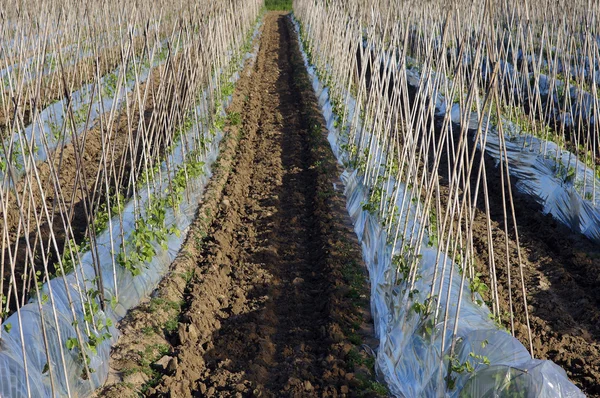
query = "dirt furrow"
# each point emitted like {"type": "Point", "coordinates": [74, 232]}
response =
{"type": "Point", "coordinates": [276, 302]}
{"type": "Point", "coordinates": [273, 307]}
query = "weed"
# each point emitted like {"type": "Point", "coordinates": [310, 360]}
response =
{"type": "Point", "coordinates": [129, 371]}
{"type": "Point", "coordinates": [278, 5]}
{"type": "Point", "coordinates": [354, 338]}
{"type": "Point", "coordinates": [148, 330]}
{"type": "Point", "coordinates": [354, 277]}
{"type": "Point", "coordinates": [189, 274]}
{"type": "Point", "coordinates": [171, 325]}
{"type": "Point", "coordinates": [234, 118]}
{"type": "Point", "coordinates": [353, 358]}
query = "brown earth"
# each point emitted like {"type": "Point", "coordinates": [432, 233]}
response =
{"type": "Point", "coordinates": [267, 297]}
{"type": "Point", "coordinates": [78, 170]}
{"type": "Point", "coordinates": [561, 273]}
{"type": "Point", "coordinates": [52, 87]}
{"type": "Point", "coordinates": [236, 324]}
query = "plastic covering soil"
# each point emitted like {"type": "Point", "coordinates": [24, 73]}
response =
{"type": "Point", "coordinates": [552, 176]}
{"type": "Point", "coordinates": [408, 358]}
{"type": "Point", "coordinates": [49, 129]}
{"type": "Point", "coordinates": [19, 373]}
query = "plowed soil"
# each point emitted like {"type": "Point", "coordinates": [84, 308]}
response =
{"type": "Point", "coordinates": [77, 169]}
{"type": "Point", "coordinates": [561, 274]}
{"type": "Point", "coordinates": [267, 297]}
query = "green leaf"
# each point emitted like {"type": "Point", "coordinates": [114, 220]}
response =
{"type": "Point", "coordinates": [71, 343]}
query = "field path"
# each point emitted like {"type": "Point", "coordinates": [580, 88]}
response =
{"type": "Point", "coordinates": [273, 296]}
{"type": "Point", "coordinates": [275, 300]}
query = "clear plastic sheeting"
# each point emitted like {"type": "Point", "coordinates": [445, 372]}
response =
{"type": "Point", "coordinates": [410, 356]}
{"type": "Point", "coordinates": [549, 90]}
{"type": "Point", "coordinates": [551, 179]}
{"type": "Point", "coordinates": [28, 67]}
{"type": "Point", "coordinates": [71, 54]}
{"type": "Point", "coordinates": [32, 321]}
{"type": "Point", "coordinates": [554, 177]}
{"type": "Point", "coordinates": [48, 130]}
{"type": "Point", "coordinates": [510, 382]}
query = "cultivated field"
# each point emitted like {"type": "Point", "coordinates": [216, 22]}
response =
{"type": "Point", "coordinates": [304, 199]}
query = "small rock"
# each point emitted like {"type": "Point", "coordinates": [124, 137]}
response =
{"type": "Point", "coordinates": [308, 386]}
{"type": "Point", "coordinates": [336, 334]}
{"type": "Point", "coordinates": [589, 380]}
{"type": "Point", "coordinates": [192, 332]}
{"type": "Point", "coordinates": [240, 387]}
{"type": "Point", "coordinates": [172, 366]}
{"type": "Point", "coordinates": [292, 381]}
{"type": "Point", "coordinates": [297, 281]}
{"type": "Point", "coordinates": [225, 202]}
{"type": "Point", "coordinates": [344, 389]}
{"type": "Point", "coordinates": [137, 379]}
{"type": "Point", "coordinates": [163, 363]}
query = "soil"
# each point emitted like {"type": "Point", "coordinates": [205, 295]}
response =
{"type": "Point", "coordinates": [76, 168]}
{"type": "Point", "coordinates": [260, 302]}
{"type": "Point", "coordinates": [52, 86]}
{"type": "Point", "coordinates": [561, 274]}
{"type": "Point", "coordinates": [267, 297]}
